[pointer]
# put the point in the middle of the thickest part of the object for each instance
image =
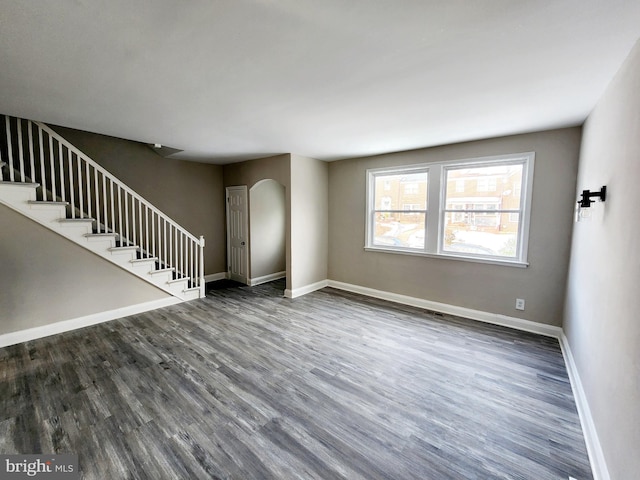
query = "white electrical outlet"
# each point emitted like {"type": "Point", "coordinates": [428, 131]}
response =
{"type": "Point", "coordinates": [519, 303]}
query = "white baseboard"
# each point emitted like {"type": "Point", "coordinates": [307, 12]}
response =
{"type": "Point", "coordinates": [298, 292]}
{"type": "Point", "coordinates": [212, 277]}
{"type": "Point", "coordinates": [594, 449]}
{"type": "Point", "coordinates": [487, 317]}
{"type": "Point", "coordinates": [266, 278]}
{"type": "Point", "coordinates": [13, 338]}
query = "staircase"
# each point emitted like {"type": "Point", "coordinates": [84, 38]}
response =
{"type": "Point", "coordinates": [47, 179]}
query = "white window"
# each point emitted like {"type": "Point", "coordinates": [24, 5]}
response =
{"type": "Point", "coordinates": [411, 188]}
{"type": "Point", "coordinates": [411, 206]}
{"type": "Point", "coordinates": [472, 211]}
{"type": "Point", "coordinates": [398, 220]}
{"type": "Point", "coordinates": [485, 184]}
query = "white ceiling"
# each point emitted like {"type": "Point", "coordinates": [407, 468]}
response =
{"type": "Point", "coordinates": [228, 80]}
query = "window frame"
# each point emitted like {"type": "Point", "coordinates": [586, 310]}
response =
{"type": "Point", "coordinates": [371, 210]}
{"type": "Point", "coordinates": [436, 210]}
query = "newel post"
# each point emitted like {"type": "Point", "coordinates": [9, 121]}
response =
{"type": "Point", "coordinates": [202, 292]}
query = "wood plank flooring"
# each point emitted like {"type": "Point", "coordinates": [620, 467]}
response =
{"type": "Point", "coordinates": [246, 384]}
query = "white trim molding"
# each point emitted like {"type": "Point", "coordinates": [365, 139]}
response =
{"type": "Point", "coordinates": [212, 277]}
{"type": "Point", "coordinates": [35, 333]}
{"type": "Point", "coordinates": [298, 292]}
{"type": "Point", "coordinates": [594, 449]}
{"type": "Point", "coordinates": [266, 278]}
{"type": "Point", "coordinates": [487, 317]}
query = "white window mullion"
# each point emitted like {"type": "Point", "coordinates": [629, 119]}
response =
{"type": "Point", "coordinates": [434, 210]}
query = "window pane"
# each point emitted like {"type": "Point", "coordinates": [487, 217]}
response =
{"type": "Point", "coordinates": [481, 233]}
{"type": "Point", "coordinates": [399, 229]}
{"type": "Point", "coordinates": [495, 187]}
{"type": "Point", "coordinates": [392, 192]}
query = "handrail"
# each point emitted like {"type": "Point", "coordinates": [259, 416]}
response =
{"type": "Point", "coordinates": [66, 174]}
{"type": "Point", "coordinates": [107, 174]}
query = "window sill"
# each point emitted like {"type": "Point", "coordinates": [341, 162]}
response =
{"type": "Point", "coordinates": [461, 258]}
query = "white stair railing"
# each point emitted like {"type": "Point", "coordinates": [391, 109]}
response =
{"type": "Point", "coordinates": [34, 153]}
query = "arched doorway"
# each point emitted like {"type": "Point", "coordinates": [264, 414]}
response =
{"type": "Point", "coordinates": [267, 231]}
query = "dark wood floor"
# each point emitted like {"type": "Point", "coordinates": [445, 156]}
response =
{"type": "Point", "coordinates": [247, 384]}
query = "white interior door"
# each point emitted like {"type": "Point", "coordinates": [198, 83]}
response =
{"type": "Point", "coordinates": [237, 234]}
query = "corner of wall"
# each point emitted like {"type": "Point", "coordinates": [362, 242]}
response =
{"type": "Point", "coordinates": [594, 449]}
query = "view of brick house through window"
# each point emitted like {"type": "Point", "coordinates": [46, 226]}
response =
{"type": "Point", "coordinates": [484, 216]}
{"type": "Point", "coordinates": [474, 208]}
{"type": "Point", "coordinates": [401, 206]}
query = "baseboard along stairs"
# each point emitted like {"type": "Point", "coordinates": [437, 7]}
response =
{"type": "Point", "coordinates": [45, 178]}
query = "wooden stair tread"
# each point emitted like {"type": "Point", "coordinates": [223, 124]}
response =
{"type": "Point", "coordinates": [77, 220]}
{"type": "Point", "coordinates": [6, 183]}
{"type": "Point", "coordinates": [47, 202]}
{"type": "Point", "coordinates": [123, 249]}
{"type": "Point", "coordinates": [142, 260]}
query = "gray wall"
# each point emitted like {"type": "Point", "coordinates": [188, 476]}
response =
{"type": "Point", "coordinates": [252, 171]}
{"type": "Point", "coordinates": [46, 278]}
{"type": "Point", "coordinates": [249, 173]}
{"type": "Point", "coordinates": [306, 183]}
{"type": "Point", "coordinates": [488, 288]}
{"type": "Point", "coordinates": [267, 228]}
{"type": "Point", "coordinates": [190, 193]}
{"type": "Point", "coordinates": [309, 221]}
{"type": "Point", "coordinates": [602, 319]}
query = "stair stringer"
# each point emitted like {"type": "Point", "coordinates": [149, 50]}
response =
{"type": "Point", "coordinates": [21, 197]}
